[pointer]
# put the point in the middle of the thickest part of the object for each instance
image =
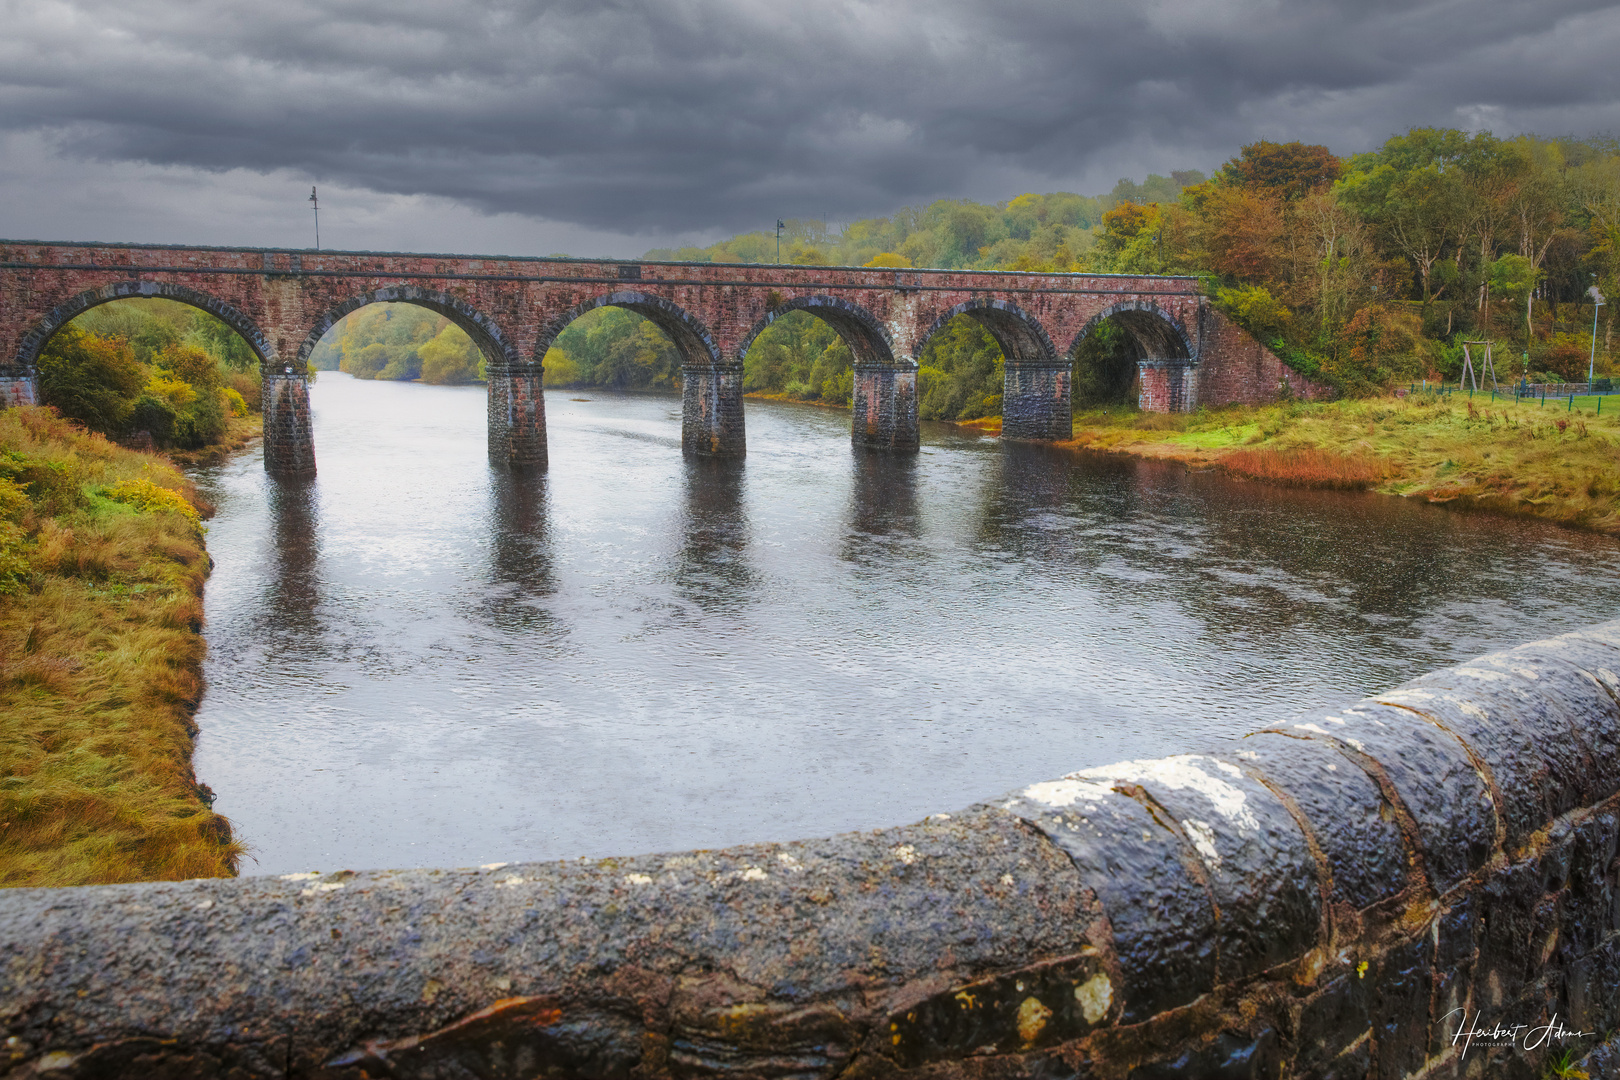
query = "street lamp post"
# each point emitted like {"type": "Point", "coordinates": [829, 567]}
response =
{"type": "Point", "coordinates": [1597, 302]}
{"type": "Point", "coordinates": [315, 204]}
{"type": "Point", "coordinates": [780, 225]}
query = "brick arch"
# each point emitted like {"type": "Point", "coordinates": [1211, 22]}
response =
{"type": "Point", "coordinates": [866, 337]}
{"type": "Point", "coordinates": [34, 340]}
{"type": "Point", "coordinates": [485, 333]}
{"type": "Point", "coordinates": [1021, 337]}
{"type": "Point", "coordinates": [692, 339]}
{"type": "Point", "coordinates": [1156, 332]}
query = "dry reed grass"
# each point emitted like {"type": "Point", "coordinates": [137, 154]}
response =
{"type": "Point", "coordinates": [1500, 456]}
{"type": "Point", "coordinates": [1306, 467]}
{"type": "Point", "coordinates": [100, 669]}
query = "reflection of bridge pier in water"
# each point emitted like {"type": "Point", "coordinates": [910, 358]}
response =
{"type": "Point", "coordinates": [520, 556]}
{"type": "Point", "coordinates": [711, 566]}
{"type": "Point", "coordinates": [882, 504]}
{"type": "Point", "coordinates": [294, 592]}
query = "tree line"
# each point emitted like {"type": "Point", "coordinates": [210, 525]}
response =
{"type": "Point", "coordinates": [1377, 268]}
{"type": "Point", "coordinates": [1360, 272]}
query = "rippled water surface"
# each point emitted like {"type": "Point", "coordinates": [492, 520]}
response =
{"type": "Point", "coordinates": [415, 660]}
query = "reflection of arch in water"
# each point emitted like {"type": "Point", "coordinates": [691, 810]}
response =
{"type": "Point", "coordinates": [483, 330]}
{"type": "Point", "coordinates": [882, 503]}
{"type": "Point", "coordinates": [520, 567]}
{"type": "Point", "coordinates": [291, 619]}
{"type": "Point", "coordinates": [40, 334]}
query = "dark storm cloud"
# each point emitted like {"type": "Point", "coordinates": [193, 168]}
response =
{"type": "Point", "coordinates": [687, 115]}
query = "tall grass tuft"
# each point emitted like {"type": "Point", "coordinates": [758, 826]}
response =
{"type": "Point", "coordinates": [100, 663]}
{"type": "Point", "coordinates": [1306, 467]}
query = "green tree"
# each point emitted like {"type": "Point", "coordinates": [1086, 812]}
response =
{"type": "Point", "coordinates": [223, 343]}
{"type": "Point", "coordinates": [1411, 190]}
{"type": "Point", "coordinates": [960, 373]}
{"type": "Point", "coordinates": [1285, 170]}
{"type": "Point", "coordinates": [450, 357]}
{"type": "Point", "coordinates": [92, 379]}
{"type": "Point", "coordinates": [1514, 278]}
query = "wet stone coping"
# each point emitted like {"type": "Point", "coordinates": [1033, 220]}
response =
{"type": "Point", "coordinates": [1422, 883]}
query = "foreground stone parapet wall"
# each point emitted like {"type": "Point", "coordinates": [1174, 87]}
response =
{"type": "Point", "coordinates": [1344, 895]}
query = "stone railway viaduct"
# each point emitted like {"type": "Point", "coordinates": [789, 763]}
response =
{"type": "Point", "coordinates": [283, 301]}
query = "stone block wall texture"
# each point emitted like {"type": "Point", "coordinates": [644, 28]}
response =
{"type": "Point", "coordinates": [1036, 402]}
{"type": "Point", "coordinates": [1245, 372]}
{"type": "Point", "coordinates": [18, 390]}
{"type": "Point", "coordinates": [1167, 386]}
{"type": "Point", "coordinates": [1423, 883]}
{"type": "Point", "coordinates": [281, 302]}
{"type": "Point", "coordinates": [885, 408]}
{"type": "Point", "coordinates": [712, 412]}
{"type": "Point", "coordinates": [517, 417]}
{"type": "Point", "coordinates": [289, 440]}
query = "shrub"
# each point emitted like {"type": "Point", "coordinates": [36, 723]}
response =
{"type": "Point", "coordinates": [52, 486]}
{"type": "Point", "coordinates": [91, 379]}
{"type": "Point", "coordinates": [249, 386]}
{"type": "Point", "coordinates": [1255, 309]}
{"type": "Point", "coordinates": [450, 358]}
{"type": "Point", "coordinates": [366, 362]}
{"type": "Point", "coordinates": [1568, 356]}
{"type": "Point", "coordinates": [149, 498]}
{"type": "Point", "coordinates": [1379, 347]}
{"type": "Point", "coordinates": [154, 416]}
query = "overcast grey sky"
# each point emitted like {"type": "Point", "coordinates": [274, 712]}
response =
{"type": "Point", "coordinates": [607, 128]}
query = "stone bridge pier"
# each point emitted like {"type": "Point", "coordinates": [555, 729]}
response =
{"type": "Point", "coordinates": [885, 406]}
{"type": "Point", "coordinates": [282, 302]}
{"type": "Point", "coordinates": [1168, 385]}
{"type": "Point", "coordinates": [712, 410]}
{"type": "Point", "coordinates": [517, 414]}
{"type": "Point", "coordinates": [289, 436]}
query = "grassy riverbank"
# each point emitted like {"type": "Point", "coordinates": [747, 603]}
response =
{"type": "Point", "coordinates": [1545, 461]}
{"type": "Point", "coordinates": [101, 575]}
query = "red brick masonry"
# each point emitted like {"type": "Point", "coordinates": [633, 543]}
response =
{"type": "Point", "coordinates": [281, 302]}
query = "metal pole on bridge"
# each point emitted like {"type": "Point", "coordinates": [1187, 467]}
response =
{"type": "Point", "coordinates": [316, 205]}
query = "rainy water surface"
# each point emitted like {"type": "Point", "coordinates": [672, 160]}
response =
{"type": "Point", "coordinates": [415, 660]}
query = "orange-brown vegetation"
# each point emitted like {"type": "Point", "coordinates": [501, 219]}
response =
{"type": "Point", "coordinates": [1306, 467]}
{"type": "Point", "coordinates": [1558, 461]}
{"type": "Point", "coordinates": [101, 575]}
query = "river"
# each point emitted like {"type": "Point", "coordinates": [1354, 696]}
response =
{"type": "Point", "coordinates": [415, 660]}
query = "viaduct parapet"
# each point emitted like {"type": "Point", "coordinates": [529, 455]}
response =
{"type": "Point", "coordinates": [282, 302]}
{"type": "Point", "coordinates": [1420, 884]}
